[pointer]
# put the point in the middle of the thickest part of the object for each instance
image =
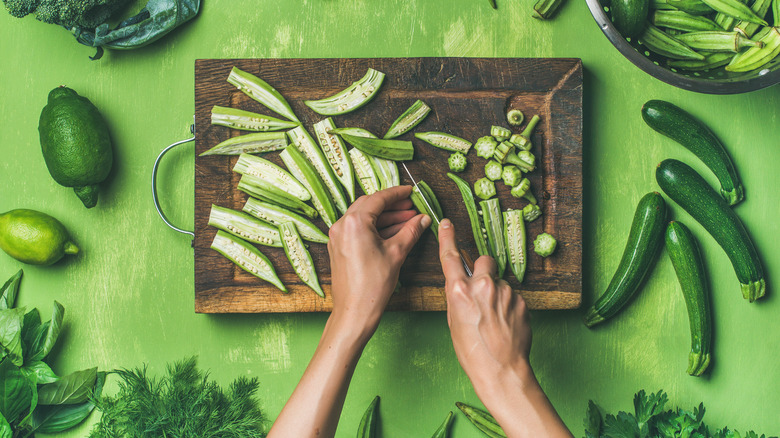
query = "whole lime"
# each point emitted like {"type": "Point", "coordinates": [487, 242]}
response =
{"type": "Point", "coordinates": [75, 143]}
{"type": "Point", "coordinates": [33, 237]}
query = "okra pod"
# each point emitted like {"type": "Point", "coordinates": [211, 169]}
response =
{"type": "Point", "coordinates": [396, 150]}
{"type": "Point", "coordinates": [471, 209]}
{"type": "Point", "coordinates": [736, 9]}
{"type": "Point", "coordinates": [658, 5]}
{"type": "Point", "coordinates": [727, 22]}
{"type": "Point", "coordinates": [693, 7]}
{"type": "Point", "coordinates": [756, 57]}
{"type": "Point", "coordinates": [247, 121]}
{"type": "Point", "coordinates": [336, 154]}
{"type": "Point", "coordinates": [485, 146]}
{"type": "Point", "coordinates": [260, 91]}
{"type": "Point", "coordinates": [493, 170]}
{"type": "Point", "coordinates": [264, 191]}
{"type": "Point", "coordinates": [299, 257]}
{"type": "Point", "coordinates": [457, 162]}
{"type": "Point", "coordinates": [276, 215]}
{"type": "Point", "coordinates": [357, 132]}
{"type": "Point", "coordinates": [443, 430]}
{"type": "Point", "coordinates": [300, 167]}
{"type": "Point", "coordinates": [523, 140]}
{"type": "Point", "coordinates": [760, 7]}
{"type": "Point", "coordinates": [494, 228]}
{"type": "Point", "coordinates": [365, 172]}
{"type": "Point", "coordinates": [256, 143]}
{"type": "Point", "coordinates": [663, 44]}
{"type": "Point", "coordinates": [247, 257]}
{"type": "Point", "coordinates": [482, 420]}
{"type": "Point", "coordinates": [305, 144]}
{"type": "Point", "coordinates": [445, 141]}
{"type": "Point", "coordinates": [505, 153]}
{"type": "Point", "coordinates": [683, 21]}
{"type": "Point", "coordinates": [531, 212]}
{"type": "Point", "coordinates": [514, 237]}
{"type": "Point", "coordinates": [484, 188]}
{"type": "Point", "coordinates": [776, 12]}
{"type": "Point", "coordinates": [244, 226]}
{"type": "Point", "coordinates": [545, 9]}
{"type": "Point", "coordinates": [718, 41]}
{"type": "Point", "coordinates": [423, 197]}
{"type": "Point", "coordinates": [515, 117]}
{"type": "Point", "coordinates": [408, 120]}
{"type": "Point", "coordinates": [351, 98]}
{"type": "Point", "coordinates": [385, 170]}
{"type": "Point", "coordinates": [367, 426]}
{"type": "Point", "coordinates": [271, 173]}
{"type": "Point", "coordinates": [500, 133]}
{"type": "Point", "coordinates": [711, 60]}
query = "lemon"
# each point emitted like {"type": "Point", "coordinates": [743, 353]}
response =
{"type": "Point", "coordinates": [75, 143]}
{"type": "Point", "coordinates": [33, 237]}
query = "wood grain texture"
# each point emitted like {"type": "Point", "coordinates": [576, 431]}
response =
{"type": "Point", "coordinates": [467, 97]}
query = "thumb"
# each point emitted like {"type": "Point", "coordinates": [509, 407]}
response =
{"type": "Point", "coordinates": [405, 239]}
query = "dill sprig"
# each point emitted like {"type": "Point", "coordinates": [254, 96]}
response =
{"type": "Point", "coordinates": [182, 404]}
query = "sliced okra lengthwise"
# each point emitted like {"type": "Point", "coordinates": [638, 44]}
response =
{"type": "Point", "coordinates": [247, 121]}
{"type": "Point", "coordinates": [256, 143]}
{"type": "Point", "coordinates": [385, 170]}
{"type": "Point", "coordinates": [299, 257]}
{"type": "Point", "coordinates": [365, 172]}
{"type": "Point", "coordinates": [408, 120]}
{"type": "Point", "coordinates": [260, 91]}
{"type": "Point", "coordinates": [277, 215]}
{"type": "Point", "coordinates": [244, 226]}
{"type": "Point", "coordinates": [445, 141]}
{"type": "Point", "coordinates": [251, 165]}
{"type": "Point", "coordinates": [424, 200]}
{"type": "Point", "coordinates": [247, 257]}
{"type": "Point", "coordinates": [514, 237]}
{"type": "Point", "coordinates": [351, 98]}
{"type": "Point", "coordinates": [471, 209]}
{"type": "Point", "coordinates": [494, 228]}
{"type": "Point", "coordinates": [306, 145]}
{"type": "Point", "coordinates": [261, 189]}
{"type": "Point", "coordinates": [305, 173]}
{"type": "Point", "coordinates": [337, 155]}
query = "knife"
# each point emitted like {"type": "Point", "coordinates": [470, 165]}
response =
{"type": "Point", "coordinates": [433, 215]}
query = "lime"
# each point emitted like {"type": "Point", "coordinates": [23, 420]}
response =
{"type": "Point", "coordinates": [34, 237]}
{"type": "Point", "coordinates": [75, 143]}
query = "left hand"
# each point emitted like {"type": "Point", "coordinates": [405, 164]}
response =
{"type": "Point", "coordinates": [367, 247]}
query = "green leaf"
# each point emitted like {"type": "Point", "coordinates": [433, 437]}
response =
{"type": "Point", "coordinates": [9, 291]}
{"type": "Point", "coordinates": [30, 329]}
{"type": "Point", "coordinates": [69, 390]}
{"type": "Point", "coordinates": [592, 421]}
{"type": "Point", "coordinates": [57, 418]}
{"type": "Point", "coordinates": [43, 345]}
{"type": "Point", "coordinates": [40, 371]}
{"type": "Point", "coordinates": [5, 428]}
{"type": "Point", "coordinates": [33, 401]}
{"type": "Point", "coordinates": [15, 393]}
{"type": "Point", "coordinates": [622, 426]}
{"type": "Point", "coordinates": [11, 334]}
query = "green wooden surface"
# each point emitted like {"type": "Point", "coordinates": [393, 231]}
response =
{"type": "Point", "coordinates": [129, 295]}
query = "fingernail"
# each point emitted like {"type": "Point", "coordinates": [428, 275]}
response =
{"type": "Point", "coordinates": [445, 223]}
{"type": "Point", "coordinates": [426, 221]}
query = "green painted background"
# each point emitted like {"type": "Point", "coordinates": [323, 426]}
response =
{"type": "Point", "coordinates": [129, 296]}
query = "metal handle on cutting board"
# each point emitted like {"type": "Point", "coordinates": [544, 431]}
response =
{"type": "Point", "coordinates": [154, 183]}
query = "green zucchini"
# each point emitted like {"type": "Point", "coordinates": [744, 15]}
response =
{"type": "Point", "coordinates": [629, 16]}
{"type": "Point", "coordinates": [367, 427]}
{"type": "Point", "coordinates": [644, 241]}
{"type": "Point", "coordinates": [482, 420]}
{"type": "Point", "coordinates": [471, 209]}
{"type": "Point", "coordinates": [247, 257]}
{"type": "Point", "coordinates": [443, 430]}
{"type": "Point", "coordinates": [687, 188]}
{"type": "Point", "coordinates": [677, 124]}
{"type": "Point", "coordinates": [686, 259]}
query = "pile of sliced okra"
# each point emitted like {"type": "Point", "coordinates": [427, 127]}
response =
{"type": "Point", "coordinates": [324, 172]}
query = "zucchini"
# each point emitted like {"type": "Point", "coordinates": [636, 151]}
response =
{"type": "Point", "coordinates": [686, 259]}
{"type": "Point", "coordinates": [629, 16]}
{"type": "Point", "coordinates": [644, 241]}
{"type": "Point", "coordinates": [675, 123]}
{"type": "Point", "coordinates": [687, 188]}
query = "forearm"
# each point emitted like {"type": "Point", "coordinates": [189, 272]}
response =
{"type": "Point", "coordinates": [315, 406]}
{"type": "Point", "coordinates": [519, 404]}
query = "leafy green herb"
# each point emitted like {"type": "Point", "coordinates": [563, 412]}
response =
{"type": "Point", "coordinates": [652, 419]}
{"type": "Point", "coordinates": [184, 403]}
{"type": "Point", "coordinates": [72, 389]}
{"type": "Point", "coordinates": [9, 291]}
{"type": "Point", "coordinates": [15, 394]}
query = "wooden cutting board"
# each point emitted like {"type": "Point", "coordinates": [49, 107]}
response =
{"type": "Point", "coordinates": [467, 96]}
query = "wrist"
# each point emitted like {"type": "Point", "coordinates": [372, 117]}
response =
{"type": "Point", "coordinates": [349, 328]}
{"type": "Point", "coordinates": [506, 383]}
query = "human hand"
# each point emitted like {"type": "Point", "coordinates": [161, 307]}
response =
{"type": "Point", "coordinates": [367, 247]}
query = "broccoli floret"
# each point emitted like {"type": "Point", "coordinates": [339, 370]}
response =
{"type": "Point", "coordinates": [87, 14]}
{"type": "Point", "coordinates": [544, 244]}
{"type": "Point", "coordinates": [457, 162]}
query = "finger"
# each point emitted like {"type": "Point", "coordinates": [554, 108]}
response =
{"type": "Point", "coordinates": [485, 265]}
{"type": "Point", "coordinates": [451, 263]}
{"type": "Point", "coordinates": [387, 233]}
{"type": "Point", "coordinates": [375, 204]}
{"type": "Point", "coordinates": [403, 204]}
{"type": "Point", "coordinates": [409, 234]}
{"type": "Point", "coordinates": [394, 217]}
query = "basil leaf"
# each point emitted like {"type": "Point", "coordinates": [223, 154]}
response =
{"type": "Point", "coordinates": [69, 390]}
{"type": "Point", "coordinates": [40, 371]}
{"type": "Point", "coordinates": [30, 326]}
{"type": "Point", "coordinates": [33, 401]}
{"type": "Point", "coordinates": [5, 428]}
{"type": "Point", "coordinates": [11, 334]}
{"type": "Point", "coordinates": [44, 343]}
{"type": "Point", "coordinates": [15, 393]}
{"type": "Point", "coordinates": [53, 419]}
{"type": "Point", "coordinates": [9, 291]}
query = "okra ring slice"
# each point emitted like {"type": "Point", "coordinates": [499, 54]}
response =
{"type": "Point", "coordinates": [273, 174]}
{"type": "Point", "coordinates": [256, 143]}
{"type": "Point", "coordinates": [305, 144]}
{"type": "Point", "coordinates": [260, 189]}
{"type": "Point", "coordinates": [277, 215]}
{"type": "Point", "coordinates": [351, 98]}
{"type": "Point", "coordinates": [247, 257]}
{"type": "Point", "coordinates": [260, 91]}
{"type": "Point", "coordinates": [299, 257]}
{"type": "Point", "coordinates": [471, 209]}
{"type": "Point", "coordinates": [247, 121]}
{"type": "Point", "coordinates": [408, 120]}
{"type": "Point", "coordinates": [305, 173]}
{"type": "Point", "coordinates": [336, 153]}
{"type": "Point", "coordinates": [445, 141]}
{"type": "Point", "coordinates": [244, 226]}
{"type": "Point", "coordinates": [515, 239]}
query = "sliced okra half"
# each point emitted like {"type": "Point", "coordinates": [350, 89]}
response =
{"type": "Point", "coordinates": [351, 98]}
{"type": "Point", "coordinates": [471, 209]}
{"type": "Point", "coordinates": [306, 145]}
{"type": "Point", "coordinates": [277, 215]}
{"type": "Point", "coordinates": [260, 91]}
{"type": "Point", "coordinates": [395, 150]}
{"type": "Point", "coordinates": [256, 143]}
{"type": "Point", "coordinates": [426, 203]}
{"type": "Point", "coordinates": [494, 228]}
{"type": "Point", "coordinates": [261, 189]}
{"type": "Point", "coordinates": [299, 257]}
{"type": "Point", "coordinates": [247, 121]}
{"type": "Point", "coordinates": [247, 257]}
{"type": "Point", "coordinates": [364, 170]}
{"type": "Point", "coordinates": [385, 170]}
{"type": "Point", "coordinates": [408, 120]}
{"type": "Point", "coordinates": [445, 141]}
{"type": "Point", "coordinates": [514, 238]}
{"type": "Point", "coordinates": [336, 154]}
{"type": "Point", "coordinates": [244, 226]}
{"type": "Point", "coordinates": [305, 173]}
{"type": "Point", "coordinates": [252, 165]}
